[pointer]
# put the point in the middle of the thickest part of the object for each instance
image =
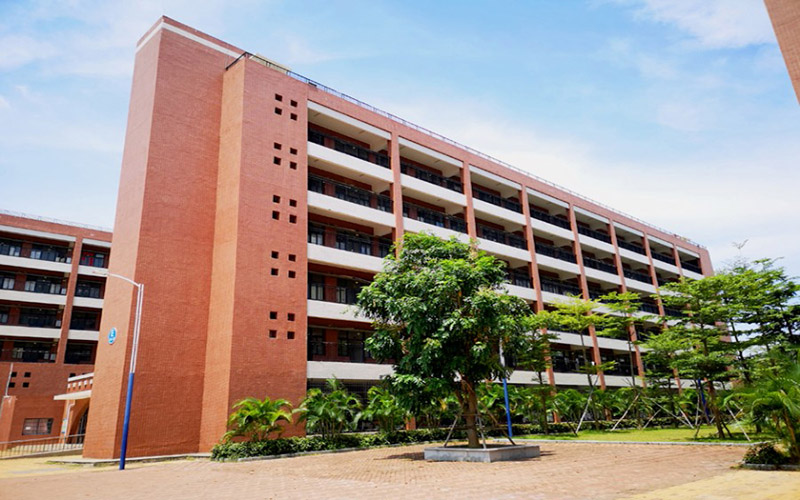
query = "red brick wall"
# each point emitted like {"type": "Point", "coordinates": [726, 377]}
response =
{"type": "Point", "coordinates": [785, 15]}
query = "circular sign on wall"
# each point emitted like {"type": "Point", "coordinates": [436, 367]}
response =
{"type": "Point", "coordinates": [112, 335]}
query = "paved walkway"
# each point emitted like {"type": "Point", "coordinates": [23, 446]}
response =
{"type": "Point", "coordinates": [565, 471]}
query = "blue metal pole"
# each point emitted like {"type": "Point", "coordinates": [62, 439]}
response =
{"type": "Point", "coordinates": [508, 410]}
{"type": "Point", "coordinates": [124, 447]}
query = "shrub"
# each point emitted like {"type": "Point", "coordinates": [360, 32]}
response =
{"type": "Point", "coordinates": [765, 454]}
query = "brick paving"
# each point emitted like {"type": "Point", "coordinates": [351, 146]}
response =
{"type": "Point", "coordinates": [564, 471]}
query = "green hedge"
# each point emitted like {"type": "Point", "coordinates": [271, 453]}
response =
{"type": "Point", "coordinates": [283, 446]}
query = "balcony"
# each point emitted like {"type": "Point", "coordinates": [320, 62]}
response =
{"type": "Point", "coordinates": [349, 203]}
{"type": "Point", "coordinates": [599, 265]}
{"type": "Point", "coordinates": [668, 259]}
{"type": "Point", "coordinates": [503, 237]}
{"type": "Point", "coordinates": [351, 194]}
{"type": "Point", "coordinates": [555, 252]}
{"type": "Point", "coordinates": [670, 311]}
{"type": "Point", "coordinates": [631, 246]}
{"type": "Point", "coordinates": [635, 275]}
{"type": "Point", "coordinates": [434, 218]}
{"type": "Point", "coordinates": [30, 352]}
{"type": "Point", "coordinates": [483, 195]}
{"type": "Point", "coordinates": [348, 240]}
{"type": "Point", "coordinates": [42, 257]}
{"type": "Point", "coordinates": [550, 219]}
{"type": "Point", "coordinates": [345, 291]}
{"type": "Point", "coordinates": [691, 267]}
{"type": "Point", "coordinates": [348, 148]}
{"type": "Point", "coordinates": [431, 177]}
{"type": "Point", "coordinates": [519, 278]}
{"type": "Point", "coordinates": [559, 287]}
{"type": "Point", "coordinates": [649, 308]}
{"type": "Point", "coordinates": [586, 231]}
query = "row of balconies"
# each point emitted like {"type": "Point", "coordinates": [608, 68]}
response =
{"type": "Point", "coordinates": [500, 204]}
{"type": "Point", "coordinates": [15, 350]}
{"type": "Point", "coordinates": [14, 317]}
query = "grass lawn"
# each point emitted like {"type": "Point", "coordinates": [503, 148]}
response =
{"type": "Point", "coordinates": [707, 434]}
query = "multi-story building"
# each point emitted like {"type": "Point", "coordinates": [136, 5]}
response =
{"type": "Point", "coordinates": [253, 205]}
{"type": "Point", "coordinates": [785, 17]}
{"type": "Point", "coordinates": [52, 280]}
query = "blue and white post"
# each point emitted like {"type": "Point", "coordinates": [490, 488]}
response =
{"type": "Point", "coordinates": [505, 394]}
{"type": "Point", "coordinates": [137, 320]}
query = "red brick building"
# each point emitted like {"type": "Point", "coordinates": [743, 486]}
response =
{"type": "Point", "coordinates": [52, 282]}
{"type": "Point", "coordinates": [785, 16]}
{"type": "Point", "coordinates": [254, 203]}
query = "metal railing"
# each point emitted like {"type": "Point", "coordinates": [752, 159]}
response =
{"type": "Point", "coordinates": [349, 240]}
{"type": "Point", "coordinates": [550, 219]}
{"type": "Point", "coordinates": [431, 177]}
{"type": "Point", "coordinates": [599, 265]}
{"type": "Point", "coordinates": [41, 446]}
{"type": "Point", "coordinates": [631, 246]}
{"type": "Point", "coordinates": [691, 267]}
{"type": "Point", "coordinates": [634, 275]}
{"type": "Point", "coordinates": [434, 218]}
{"type": "Point", "coordinates": [555, 252]}
{"type": "Point", "coordinates": [440, 137]}
{"type": "Point", "coordinates": [28, 355]}
{"type": "Point", "coordinates": [518, 278]}
{"type": "Point", "coordinates": [488, 197]}
{"type": "Point", "coordinates": [340, 294]}
{"type": "Point", "coordinates": [669, 259]}
{"type": "Point", "coordinates": [348, 148]}
{"type": "Point", "coordinates": [354, 350]}
{"type": "Point", "coordinates": [559, 287]}
{"type": "Point", "coordinates": [594, 234]}
{"type": "Point", "coordinates": [670, 311]}
{"type": "Point", "coordinates": [349, 193]}
{"type": "Point", "coordinates": [649, 308]}
{"type": "Point", "coordinates": [498, 236]}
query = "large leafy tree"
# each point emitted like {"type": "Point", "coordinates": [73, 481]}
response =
{"type": "Point", "coordinates": [257, 419]}
{"type": "Point", "coordinates": [702, 354]}
{"type": "Point", "coordinates": [438, 309]}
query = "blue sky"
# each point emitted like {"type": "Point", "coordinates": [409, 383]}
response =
{"type": "Point", "coordinates": [679, 112]}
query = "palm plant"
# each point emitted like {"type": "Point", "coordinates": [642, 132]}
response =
{"type": "Point", "coordinates": [774, 403]}
{"type": "Point", "coordinates": [383, 409]}
{"type": "Point", "coordinates": [570, 404]}
{"type": "Point", "coordinates": [331, 412]}
{"type": "Point", "coordinates": [257, 419]}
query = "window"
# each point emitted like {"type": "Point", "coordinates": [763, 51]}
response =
{"type": "Point", "coordinates": [3, 316]}
{"type": "Point", "coordinates": [88, 289]}
{"type": "Point", "coordinates": [316, 342]}
{"type": "Point", "coordinates": [40, 284]}
{"type": "Point", "coordinates": [94, 259]}
{"type": "Point", "coordinates": [273, 334]}
{"type": "Point", "coordinates": [37, 426]}
{"type": "Point", "coordinates": [85, 320]}
{"type": "Point", "coordinates": [316, 235]}
{"type": "Point", "coordinates": [316, 287]}
{"type": "Point", "coordinates": [52, 254]}
{"type": "Point", "coordinates": [278, 97]}
{"type": "Point", "coordinates": [10, 248]}
{"type": "Point", "coordinates": [6, 282]}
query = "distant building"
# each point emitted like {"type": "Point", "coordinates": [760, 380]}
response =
{"type": "Point", "coordinates": [785, 16]}
{"type": "Point", "coordinates": [253, 205]}
{"type": "Point", "coordinates": [52, 282]}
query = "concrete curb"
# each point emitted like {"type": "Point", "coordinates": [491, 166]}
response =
{"type": "Point", "coordinates": [99, 462]}
{"type": "Point", "coordinates": [323, 452]}
{"type": "Point", "coordinates": [659, 443]}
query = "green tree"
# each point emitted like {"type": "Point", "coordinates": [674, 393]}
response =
{"type": "Point", "coordinates": [439, 311]}
{"type": "Point", "coordinates": [569, 403]}
{"type": "Point", "coordinates": [577, 315]}
{"type": "Point", "coordinates": [257, 419]}
{"type": "Point", "coordinates": [535, 357]}
{"type": "Point", "coordinates": [702, 354]}
{"type": "Point", "coordinates": [330, 412]}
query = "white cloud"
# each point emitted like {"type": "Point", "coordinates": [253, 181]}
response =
{"type": "Point", "coordinates": [4, 104]}
{"type": "Point", "coordinates": [19, 50]}
{"type": "Point", "coordinates": [713, 24]}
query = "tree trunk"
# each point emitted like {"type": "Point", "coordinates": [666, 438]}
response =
{"type": "Point", "coordinates": [470, 416]}
{"type": "Point", "coordinates": [712, 399]}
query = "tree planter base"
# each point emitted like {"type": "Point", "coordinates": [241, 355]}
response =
{"type": "Point", "coordinates": [493, 453]}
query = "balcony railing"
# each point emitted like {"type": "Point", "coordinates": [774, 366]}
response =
{"type": "Point", "coordinates": [671, 311]}
{"type": "Point", "coordinates": [354, 350]}
{"type": "Point", "coordinates": [88, 290]}
{"type": "Point", "coordinates": [340, 294]}
{"type": "Point", "coordinates": [349, 193]}
{"type": "Point", "coordinates": [89, 322]}
{"type": "Point", "coordinates": [564, 364]}
{"type": "Point", "coordinates": [496, 200]}
{"type": "Point", "coordinates": [555, 252]}
{"type": "Point", "coordinates": [349, 241]}
{"type": "Point", "coordinates": [518, 278]}
{"type": "Point", "coordinates": [559, 287]}
{"type": "Point", "coordinates": [10, 247]}
{"type": "Point", "coordinates": [348, 148]}
{"type": "Point", "coordinates": [503, 237]}
{"type": "Point", "coordinates": [649, 308]}
{"type": "Point", "coordinates": [599, 265]}
{"type": "Point", "coordinates": [39, 320]}
{"type": "Point", "coordinates": [432, 178]}
{"type": "Point", "coordinates": [45, 285]}
{"type": "Point", "coordinates": [691, 267]}
{"type": "Point", "coordinates": [550, 219]}
{"type": "Point", "coordinates": [434, 218]}
{"type": "Point", "coordinates": [51, 253]}
{"type": "Point", "coordinates": [594, 234]}
{"type": "Point", "coordinates": [635, 275]}
{"type": "Point", "coordinates": [596, 293]}
{"type": "Point", "coordinates": [669, 259]}
{"type": "Point", "coordinates": [633, 247]}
